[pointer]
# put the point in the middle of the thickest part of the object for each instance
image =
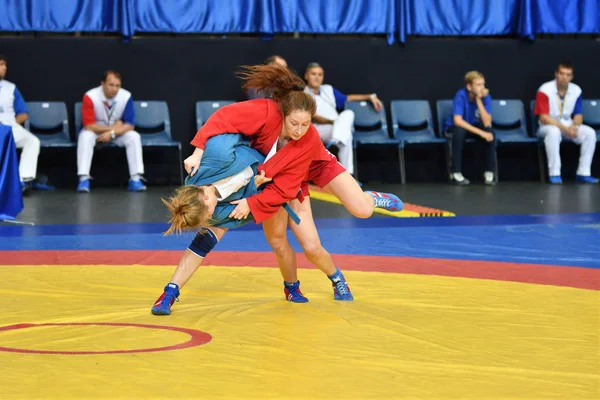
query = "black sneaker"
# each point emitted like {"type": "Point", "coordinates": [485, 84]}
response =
{"type": "Point", "coordinates": [464, 182]}
{"type": "Point", "coordinates": [25, 188]}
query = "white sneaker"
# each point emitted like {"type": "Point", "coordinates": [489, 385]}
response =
{"type": "Point", "coordinates": [489, 178]}
{"type": "Point", "coordinates": [459, 179]}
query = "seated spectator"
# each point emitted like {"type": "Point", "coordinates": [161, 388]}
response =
{"type": "Point", "coordinates": [558, 104]}
{"type": "Point", "coordinates": [252, 94]}
{"type": "Point", "coordinates": [13, 112]}
{"type": "Point", "coordinates": [334, 125]}
{"type": "Point", "coordinates": [109, 117]}
{"type": "Point", "coordinates": [472, 116]}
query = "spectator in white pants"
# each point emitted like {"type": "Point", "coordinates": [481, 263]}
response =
{"type": "Point", "coordinates": [334, 125]}
{"type": "Point", "coordinates": [13, 112]}
{"type": "Point", "coordinates": [109, 116]}
{"type": "Point", "coordinates": [558, 104]}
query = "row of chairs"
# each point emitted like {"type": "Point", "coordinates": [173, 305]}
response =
{"type": "Point", "coordinates": [412, 124]}
{"type": "Point", "coordinates": [49, 121]}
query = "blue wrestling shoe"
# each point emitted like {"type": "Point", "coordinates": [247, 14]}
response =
{"type": "Point", "coordinates": [341, 291]}
{"type": "Point", "coordinates": [162, 306]}
{"type": "Point", "coordinates": [42, 184]}
{"type": "Point", "coordinates": [585, 179]}
{"type": "Point", "coordinates": [84, 186]}
{"type": "Point", "coordinates": [387, 201]}
{"type": "Point", "coordinates": [293, 293]}
{"type": "Point", "coordinates": [555, 180]}
{"type": "Point", "coordinates": [136, 186]}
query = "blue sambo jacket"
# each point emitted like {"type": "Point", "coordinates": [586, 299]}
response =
{"type": "Point", "coordinates": [224, 156]}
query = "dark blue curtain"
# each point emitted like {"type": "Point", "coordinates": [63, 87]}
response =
{"type": "Point", "coordinates": [395, 18]}
{"type": "Point", "coordinates": [61, 15]}
{"type": "Point", "coordinates": [460, 17]}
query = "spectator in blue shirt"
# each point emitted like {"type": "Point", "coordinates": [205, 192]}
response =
{"type": "Point", "coordinates": [472, 116]}
{"type": "Point", "coordinates": [13, 112]}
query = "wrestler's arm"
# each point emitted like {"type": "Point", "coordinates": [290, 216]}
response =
{"type": "Point", "coordinates": [246, 118]}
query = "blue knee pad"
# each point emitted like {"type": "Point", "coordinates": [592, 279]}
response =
{"type": "Point", "coordinates": [203, 243]}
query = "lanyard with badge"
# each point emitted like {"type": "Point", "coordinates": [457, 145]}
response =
{"type": "Point", "coordinates": [109, 109]}
{"type": "Point", "coordinates": [561, 106]}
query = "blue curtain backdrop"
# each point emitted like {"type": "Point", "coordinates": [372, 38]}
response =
{"type": "Point", "coordinates": [395, 18]}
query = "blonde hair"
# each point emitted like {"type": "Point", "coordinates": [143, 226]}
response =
{"type": "Point", "coordinates": [187, 209]}
{"type": "Point", "coordinates": [472, 75]}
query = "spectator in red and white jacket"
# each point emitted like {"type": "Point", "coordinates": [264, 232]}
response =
{"type": "Point", "coordinates": [108, 116]}
{"type": "Point", "coordinates": [558, 104]}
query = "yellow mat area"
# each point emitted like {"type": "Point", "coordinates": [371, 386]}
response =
{"type": "Point", "coordinates": [405, 336]}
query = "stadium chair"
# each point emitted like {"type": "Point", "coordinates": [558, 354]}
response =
{"type": "Point", "coordinates": [153, 123]}
{"type": "Point", "coordinates": [412, 124]}
{"type": "Point", "coordinates": [370, 128]}
{"type": "Point", "coordinates": [508, 122]}
{"type": "Point", "coordinates": [591, 115]}
{"type": "Point", "coordinates": [204, 109]}
{"type": "Point", "coordinates": [50, 123]}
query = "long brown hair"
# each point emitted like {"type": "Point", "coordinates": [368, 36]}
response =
{"type": "Point", "coordinates": [286, 87]}
{"type": "Point", "coordinates": [187, 209]}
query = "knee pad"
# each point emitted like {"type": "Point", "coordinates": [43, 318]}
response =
{"type": "Point", "coordinates": [203, 243]}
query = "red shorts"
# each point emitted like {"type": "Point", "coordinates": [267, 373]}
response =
{"type": "Point", "coordinates": [321, 172]}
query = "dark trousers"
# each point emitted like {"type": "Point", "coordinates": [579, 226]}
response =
{"type": "Point", "coordinates": [458, 140]}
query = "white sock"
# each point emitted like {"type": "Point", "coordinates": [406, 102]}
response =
{"type": "Point", "coordinates": [458, 176]}
{"type": "Point", "coordinates": [83, 178]}
{"type": "Point", "coordinates": [489, 176]}
{"type": "Point", "coordinates": [136, 177]}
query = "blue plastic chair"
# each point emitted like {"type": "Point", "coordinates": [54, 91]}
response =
{"type": "Point", "coordinates": [508, 121]}
{"type": "Point", "coordinates": [591, 115]}
{"type": "Point", "coordinates": [370, 128]}
{"type": "Point", "coordinates": [510, 127]}
{"type": "Point", "coordinates": [49, 121]}
{"type": "Point", "coordinates": [153, 123]}
{"type": "Point", "coordinates": [412, 124]}
{"type": "Point", "coordinates": [533, 120]}
{"type": "Point", "coordinates": [206, 108]}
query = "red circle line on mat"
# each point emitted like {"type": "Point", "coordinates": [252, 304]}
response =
{"type": "Point", "coordinates": [197, 338]}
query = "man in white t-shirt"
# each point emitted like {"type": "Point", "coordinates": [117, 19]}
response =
{"type": "Point", "coordinates": [13, 112]}
{"type": "Point", "coordinates": [108, 116]}
{"type": "Point", "coordinates": [558, 104]}
{"type": "Point", "coordinates": [334, 125]}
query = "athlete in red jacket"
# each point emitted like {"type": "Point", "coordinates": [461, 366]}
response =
{"type": "Point", "coordinates": [263, 122]}
{"type": "Point", "coordinates": [282, 131]}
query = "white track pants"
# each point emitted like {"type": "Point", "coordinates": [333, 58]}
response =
{"type": "Point", "coordinates": [341, 131]}
{"type": "Point", "coordinates": [29, 156]}
{"type": "Point", "coordinates": [586, 138]}
{"type": "Point", "coordinates": [130, 140]}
